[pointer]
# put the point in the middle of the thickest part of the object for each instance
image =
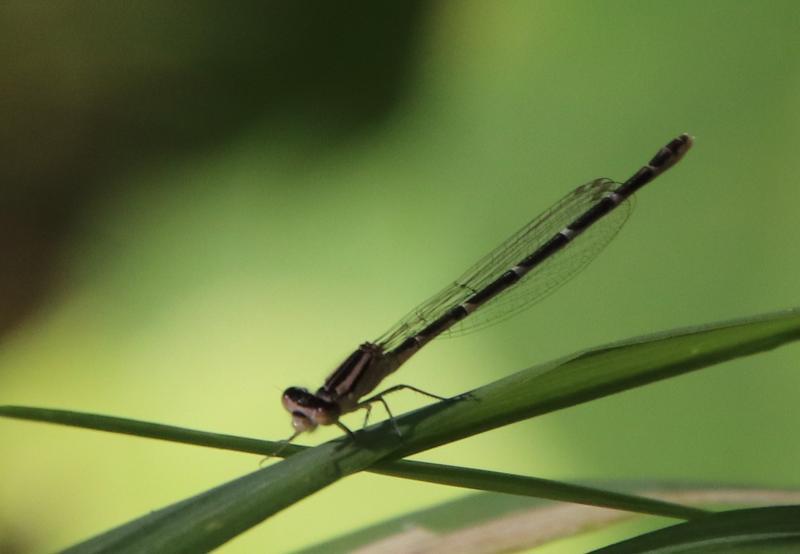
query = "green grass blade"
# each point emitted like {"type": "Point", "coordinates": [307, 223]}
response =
{"type": "Point", "coordinates": [421, 471]}
{"type": "Point", "coordinates": [146, 429]}
{"type": "Point", "coordinates": [493, 481]}
{"type": "Point", "coordinates": [205, 521]}
{"type": "Point", "coordinates": [593, 374]}
{"type": "Point", "coordinates": [211, 518]}
{"type": "Point", "coordinates": [756, 530]}
{"type": "Point", "coordinates": [533, 522]}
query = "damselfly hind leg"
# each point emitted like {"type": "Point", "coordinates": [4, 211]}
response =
{"type": "Point", "coordinates": [367, 404]}
{"type": "Point", "coordinates": [404, 387]}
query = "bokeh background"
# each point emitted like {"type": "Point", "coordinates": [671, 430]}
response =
{"type": "Point", "coordinates": [204, 203]}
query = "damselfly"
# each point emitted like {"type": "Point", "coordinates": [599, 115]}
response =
{"type": "Point", "coordinates": [532, 263]}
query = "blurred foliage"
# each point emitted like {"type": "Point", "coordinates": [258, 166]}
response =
{"type": "Point", "coordinates": [93, 89]}
{"type": "Point", "coordinates": [205, 203]}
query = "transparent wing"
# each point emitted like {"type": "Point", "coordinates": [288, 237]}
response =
{"type": "Point", "coordinates": [537, 284]}
{"type": "Point", "coordinates": [549, 276]}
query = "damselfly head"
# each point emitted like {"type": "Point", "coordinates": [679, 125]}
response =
{"type": "Point", "coordinates": [309, 410]}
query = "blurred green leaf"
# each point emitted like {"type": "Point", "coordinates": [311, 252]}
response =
{"type": "Point", "coordinates": [214, 517]}
{"type": "Point", "coordinates": [532, 521]}
{"type": "Point", "coordinates": [756, 530]}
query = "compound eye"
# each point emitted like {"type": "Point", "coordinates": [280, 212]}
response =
{"type": "Point", "coordinates": [301, 423]}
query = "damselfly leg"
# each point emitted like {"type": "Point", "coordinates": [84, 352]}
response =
{"type": "Point", "coordinates": [367, 404]}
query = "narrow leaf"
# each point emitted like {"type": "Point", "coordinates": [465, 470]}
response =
{"type": "Point", "coordinates": [211, 518]}
{"type": "Point", "coordinates": [762, 530]}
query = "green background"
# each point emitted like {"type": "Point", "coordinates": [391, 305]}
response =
{"type": "Point", "coordinates": [279, 219]}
